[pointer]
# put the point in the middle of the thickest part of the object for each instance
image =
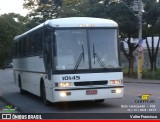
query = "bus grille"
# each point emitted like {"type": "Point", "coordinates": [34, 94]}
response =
{"type": "Point", "coordinates": [87, 83]}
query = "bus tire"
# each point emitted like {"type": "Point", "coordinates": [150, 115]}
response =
{"type": "Point", "coordinates": [43, 94]}
{"type": "Point", "coordinates": [99, 101]}
{"type": "Point", "coordinates": [22, 92]}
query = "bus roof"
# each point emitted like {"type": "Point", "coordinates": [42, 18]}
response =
{"type": "Point", "coordinates": [81, 22]}
{"type": "Point", "coordinates": [74, 22]}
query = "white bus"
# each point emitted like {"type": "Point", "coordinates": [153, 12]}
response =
{"type": "Point", "coordinates": [69, 59]}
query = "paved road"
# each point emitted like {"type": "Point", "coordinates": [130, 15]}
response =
{"type": "Point", "coordinates": [31, 104]}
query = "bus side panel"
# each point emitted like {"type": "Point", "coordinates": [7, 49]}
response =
{"type": "Point", "coordinates": [30, 70]}
{"type": "Point", "coordinates": [15, 77]}
{"type": "Point", "coordinates": [31, 82]}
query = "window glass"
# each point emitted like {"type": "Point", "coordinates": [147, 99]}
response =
{"type": "Point", "coordinates": [32, 45]}
{"type": "Point", "coordinates": [24, 47]}
{"type": "Point", "coordinates": [71, 49]}
{"type": "Point", "coordinates": [103, 48]}
{"type": "Point", "coordinates": [28, 47]}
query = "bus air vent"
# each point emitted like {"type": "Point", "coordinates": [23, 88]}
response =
{"type": "Point", "coordinates": [87, 83]}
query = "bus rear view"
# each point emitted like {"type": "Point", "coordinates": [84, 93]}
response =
{"type": "Point", "coordinates": [80, 61]}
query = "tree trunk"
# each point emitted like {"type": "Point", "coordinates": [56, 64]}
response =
{"type": "Point", "coordinates": [129, 54]}
{"type": "Point", "coordinates": [151, 62]}
{"type": "Point", "coordinates": [153, 53]}
{"type": "Point", "coordinates": [130, 69]}
{"type": "Point", "coordinates": [153, 65]}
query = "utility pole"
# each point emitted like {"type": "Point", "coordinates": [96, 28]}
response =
{"type": "Point", "coordinates": [140, 48]}
{"type": "Point", "coordinates": [140, 19]}
{"type": "Point", "coordinates": [138, 7]}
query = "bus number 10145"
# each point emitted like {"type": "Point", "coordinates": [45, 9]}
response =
{"type": "Point", "coordinates": [70, 77]}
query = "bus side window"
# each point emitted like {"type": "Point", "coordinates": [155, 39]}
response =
{"type": "Point", "coordinates": [15, 49]}
{"type": "Point", "coordinates": [35, 40]}
{"type": "Point", "coordinates": [28, 46]}
{"type": "Point", "coordinates": [20, 48]}
{"type": "Point", "coordinates": [24, 47]}
{"type": "Point", "coordinates": [38, 42]}
{"type": "Point", "coordinates": [40, 38]}
{"type": "Point", "coordinates": [32, 45]}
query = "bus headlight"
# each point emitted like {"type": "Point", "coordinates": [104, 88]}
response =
{"type": "Point", "coordinates": [118, 91]}
{"type": "Point", "coordinates": [66, 84]}
{"type": "Point", "coordinates": [64, 94]}
{"type": "Point", "coordinates": [116, 82]}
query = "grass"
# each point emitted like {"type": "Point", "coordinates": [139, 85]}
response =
{"type": "Point", "coordinates": [146, 74]}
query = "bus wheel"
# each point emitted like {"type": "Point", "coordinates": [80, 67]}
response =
{"type": "Point", "coordinates": [43, 95]}
{"type": "Point", "coordinates": [22, 92]}
{"type": "Point", "coordinates": [99, 101]}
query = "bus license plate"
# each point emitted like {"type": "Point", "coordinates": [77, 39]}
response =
{"type": "Point", "coordinates": [91, 92]}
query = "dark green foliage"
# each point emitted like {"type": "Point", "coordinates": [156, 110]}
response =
{"type": "Point", "coordinates": [10, 26]}
{"type": "Point", "coordinates": [118, 11]}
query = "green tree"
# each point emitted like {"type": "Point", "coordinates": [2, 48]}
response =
{"type": "Point", "coordinates": [151, 28]}
{"type": "Point", "coordinates": [72, 8]}
{"type": "Point", "coordinates": [40, 12]}
{"type": "Point", "coordinates": [128, 27]}
{"type": "Point", "coordinates": [10, 26]}
{"type": "Point", "coordinates": [151, 18]}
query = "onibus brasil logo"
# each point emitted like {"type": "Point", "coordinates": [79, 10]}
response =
{"type": "Point", "coordinates": [9, 108]}
{"type": "Point", "coordinates": [145, 98]}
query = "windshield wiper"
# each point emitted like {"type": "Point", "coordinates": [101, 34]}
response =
{"type": "Point", "coordinates": [96, 56]}
{"type": "Point", "coordinates": [79, 59]}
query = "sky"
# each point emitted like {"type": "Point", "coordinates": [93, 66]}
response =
{"type": "Point", "coordinates": [9, 6]}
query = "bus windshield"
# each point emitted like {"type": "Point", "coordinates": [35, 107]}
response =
{"type": "Point", "coordinates": [85, 49]}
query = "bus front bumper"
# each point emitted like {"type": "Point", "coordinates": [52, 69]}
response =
{"type": "Point", "coordinates": [82, 94]}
